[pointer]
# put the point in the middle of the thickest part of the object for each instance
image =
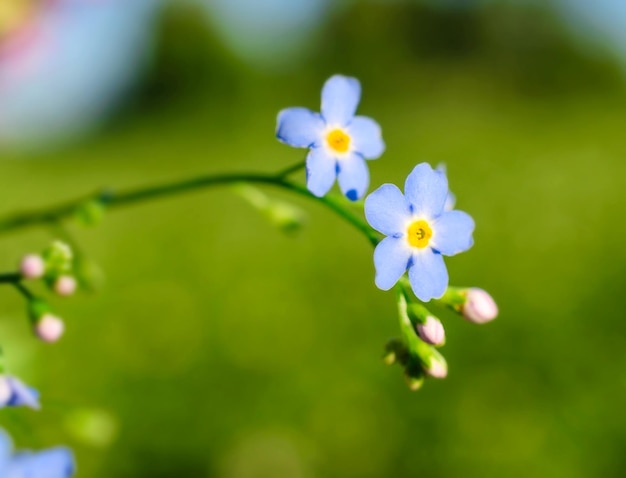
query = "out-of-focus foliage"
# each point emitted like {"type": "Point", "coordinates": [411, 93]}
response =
{"type": "Point", "coordinates": [221, 347]}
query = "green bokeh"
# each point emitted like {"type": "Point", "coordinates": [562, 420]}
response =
{"type": "Point", "coordinates": [220, 347]}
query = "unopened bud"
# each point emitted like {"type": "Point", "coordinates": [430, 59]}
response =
{"type": "Point", "coordinates": [49, 328]}
{"type": "Point", "coordinates": [32, 266]}
{"type": "Point", "coordinates": [5, 390]}
{"type": "Point", "coordinates": [58, 258]}
{"type": "Point", "coordinates": [90, 213]}
{"type": "Point", "coordinates": [432, 331]}
{"type": "Point", "coordinates": [414, 383]}
{"type": "Point", "coordinates": [436, 365]}
{"type": "Point", "coordinates": [395, 351]}
{"type": "Point", "coordinates": [414, 375]}
{"type": "Point", "coordinates": [286, 216]}
{"type": "Point", "coordinates": [65, 285]}
{"type": "Point", "coordinates": [479, 306]}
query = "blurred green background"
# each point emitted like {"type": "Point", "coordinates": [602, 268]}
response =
{"type": "Point", "coordinates": [220, 347]}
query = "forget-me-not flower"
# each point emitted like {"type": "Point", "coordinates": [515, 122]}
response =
{"type": "Point", "coordinates": [53, 463]}
{"type": "Point", "coordinates": [339, 142]}
{"type": "Point", "coordinates": [14, 393]}
{"type": "Point", "coordinates": [419, 232]}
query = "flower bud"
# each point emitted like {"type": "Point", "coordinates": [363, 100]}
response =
{"type": "Point", "coordinates": [58, 258]}
{"type": "Point", "coordinates": [65, 285]}
{"type": "Point", "coordinates": [479, 306]}
{"type": "Point", "coordinates": [90, 213]}
{"type": "Point", "coordinates": [436, 365]}
{"type": "Point", "coordinates": [432, 331]}
{"type": "Point", "coordinates": [6, 391]}
{"type": "Point", "coordinates": [414, 383]}
{"type": "Point", "coordinates": [395, 351]}
{"type": "Point", "coordinates": [32, 266]}
{"type": "Point", "coordinates": [414, 375]}
{"type": "Point", "coordinates": [49, 328]}
{"type": "Point", "coordinates": [286, 216]}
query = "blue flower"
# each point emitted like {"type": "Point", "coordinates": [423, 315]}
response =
{"type": "Point", "coordinates": [14, 393]}
{"type": "Point", "coordinates": [339, 142]}
{"type": "Point", "coordinates": [52, 463]}
{"type": "Point", "coordinates": [420, 232]}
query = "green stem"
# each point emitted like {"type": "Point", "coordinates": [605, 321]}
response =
{"type": "Point", "coordinates": [28, 295]}
{"type": "Point", "coordinates": [112, 199]}
{"type": "Point", "coordinates": [10, 277]}
{"type": "Point", "coordinates": [291, 169]}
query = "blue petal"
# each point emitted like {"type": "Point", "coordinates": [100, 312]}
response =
{"type": "Point", "coordinates": [22, 395]}
{"type": "Point", "coordinates": [426, 190]}
{"type": "Point", "coordinates": [6, 449]}
{"type": "Point", "coordinates": [321, 170]}
{"type": "Point", "coordinates": [387, 211]}
{"type": "Point", "coordinates": [299, 127]}
{"type": "Point", "coordinates": [391, 258]}
{"type": "Point", "coordinates": [53, 463]}
{"type": "Point", "coordinates": [452, 233]}
{"type": "Point", "coordinates": [428, 275]}
{"type": "Point", "coordinates": [353, 176]}
{"type": "Point", "coordinates": [366, 137]}
{"type": "Point", "coordinates": [340, 97]}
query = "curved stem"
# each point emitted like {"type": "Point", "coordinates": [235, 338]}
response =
{"type": "Point", "coordinates": [112, 199]}
{"type": "Point", "coordinates": [291, 169]}
{"type": "Point", "coordinates": [10, 277]}
{"type": "Point", "coordinates": [15, 279]}
{"type": "Point", "coordinates": [22, 289]}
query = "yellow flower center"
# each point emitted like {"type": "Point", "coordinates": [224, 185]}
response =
{"type": "Point", "coordinates": [419, 234]}
{"type": "Point", "coordinates": [338, 141]}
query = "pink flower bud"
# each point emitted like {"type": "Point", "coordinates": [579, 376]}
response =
{"type": "Point", "coordinates": [438, 367]}
{"type": "Point", "coordinates": [479, 306]}
{"type": "Point", "coordinates": [432, 332]}
{"type": "Point", "coordinates": [32, 267]}
{"type": "Point", "coordinates": [49, 328]}
{"type": "Point", "coordinates": [65, 285]}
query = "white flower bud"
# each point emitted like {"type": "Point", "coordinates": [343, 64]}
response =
{"type": "Point", "coordinates": [479, 306]}
{"type": "Point", "coordinates": [432, 331]}
{"type": "Point", "coordinates": [32, 267]}
{"type": "Point", "coordinates": [65, 285]}
{"type": "Point", "coordinates": [49, 328]}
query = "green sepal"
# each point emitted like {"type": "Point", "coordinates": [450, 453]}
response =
{"type": "Point", "coordinates": [37, 308]}
{"type": "Point", "coordinates": [418, 350]}
{"type": "Point", "coordinates": [454, 298]}
{"type": "Point", "coordinates": [417, 313]}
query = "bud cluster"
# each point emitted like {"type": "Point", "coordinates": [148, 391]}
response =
{"type": "Point", "coordinates": [54, 268]}
{"type": "Point", "coordinates": [422, 332]}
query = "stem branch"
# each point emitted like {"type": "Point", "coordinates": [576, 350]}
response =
{"type": "Point", "coordinates": [113, 199]}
